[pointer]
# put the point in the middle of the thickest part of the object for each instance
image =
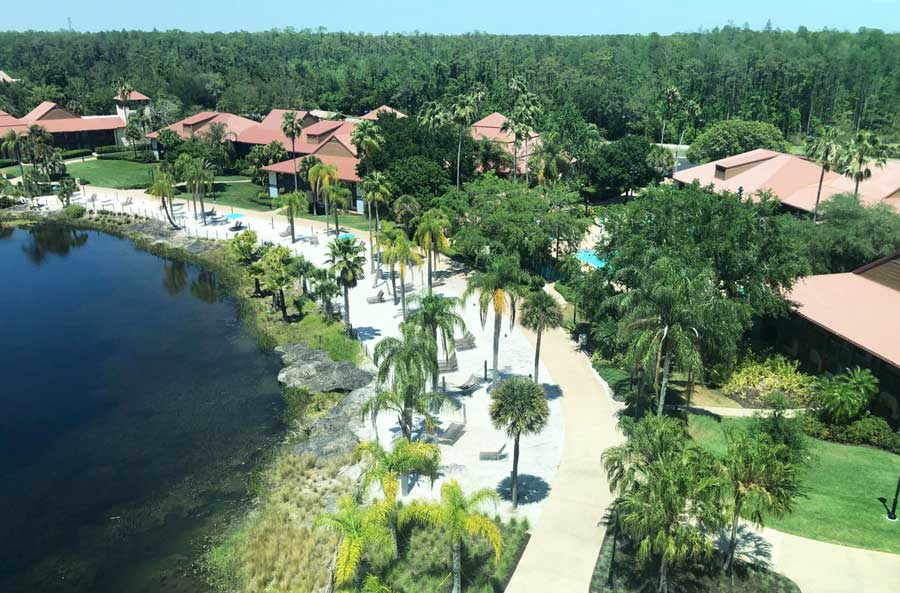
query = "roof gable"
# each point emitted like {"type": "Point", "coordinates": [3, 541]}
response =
{"type": "Point", "coordinates": [494, 120]}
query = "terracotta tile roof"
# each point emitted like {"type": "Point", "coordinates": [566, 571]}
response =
{"type": "Point", "coordinates": [346, 166]}
{"type": "Point", "coordinates": [269, 130]}
{"type": "Point", "coordinates": [83, 124]}
{"type": "Point", "coordinates": [322, 127]}
{"type": "Point", "coordinates": [40, 111]}
{"type": "Point", "coordinates": [200, 122]}
{"type": "Point", "coordinates": [489, 128]}
{"type": "Point", "coordinates": [857, 309]}
{"type": "Point", "coordinates": [373, 115]}
{"type": "Point", "coordinates": [133, 96]}
{"type": "Point", "coordinates": [794, 179]}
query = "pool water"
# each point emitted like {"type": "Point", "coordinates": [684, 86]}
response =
{"type": "Point", "coordinates": [590, 258]}
{"type": "Point", "coordinates": [346, 236]}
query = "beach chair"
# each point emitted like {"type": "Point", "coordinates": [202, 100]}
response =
{"type": "Point", "coordinates": [449, 435]}
{"type": "Point", "coordinates": [378, 298]}
{"type": "Point", "coordinates": [493, 455]}
{"type": "Point", "coordinates": [286, 232]}
{"type": "Point", "coordinates": [237, 226]}
{"type": "Point", "coordinates": [438, 282]}
{"type": "Point", "coordinates": [314, 240]}
{"type": "Point", "coordinates": [448, 365]}
{"type": "Point", "coordinates": [128, 201]}
{"type": "Point", "coordinates": [466, 342]}
{"type": "Point", "coordinates": [470, 384]}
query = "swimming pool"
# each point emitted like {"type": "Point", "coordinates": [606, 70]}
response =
{"type": "Point", "coordinates": [346, 236]}
{"type": "Point", "coordinates": [590, 258]}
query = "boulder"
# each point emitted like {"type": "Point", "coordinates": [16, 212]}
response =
{"type": "Point", "coordinates": [314, 370]}
{"type": "Point", "coordinates": [337, 433]}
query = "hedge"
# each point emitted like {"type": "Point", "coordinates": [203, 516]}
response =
{"type": "Point", "coordinates": [141, 157]}
{"type": "Point", "coordinates": [111, 149]}
{"type": "Point", "coordinates": [76, 152]}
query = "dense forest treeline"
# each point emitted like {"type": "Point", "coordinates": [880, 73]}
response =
{"type": "Point", "coordinates": [794, 80]}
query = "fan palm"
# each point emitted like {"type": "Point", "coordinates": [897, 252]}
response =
{"type": "Point", "coordinates": [163, 187]}
{"type": "Point", "coordinates": [321, 177]}
{"type": "Point", "coordinates": [431, 236]}
{"type": "Point", "coordinates": [402, 254]}
{"type": "Point", "coordinates": [439, 315]}
{"type": "Point", "coordinates": [367, 139]}
{"type": "Point", "coordinates": [671, 97]}
{"type": "Point", "coordinates": [386, 240]}
{"type": "Point", "coordinates": [540, 312]}
{"type": "Point", "coordinates": [291, 127]}
{"type": "Point", "coordinates": [387, 468]}
{"type": "Point", "coordinates": [359, 529]}
{"type": "Point", "coordinates": [864, 150]}
{"type": "Point", "coordinates": [405, 363]}
{"type": "Point", "coordinates": [692, 111]}
{"type": "Point", "coordinates": [457, 515]}
{"type": "Point", "coordinates": [347, 263]}
{"type": "Point", "coordinates": [377, 190]}
{"type": "Point", "coordinates": [519, 407]}
{"type": "Point", "coordinates": [462, 111]}
{"type": "Point", "coordinates": [498, 287]}
{"type": "Point", "coordinates": [825, 149]}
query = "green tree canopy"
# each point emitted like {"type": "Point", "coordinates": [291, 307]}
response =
{"type": "Point", "coordinates": [727, 138]}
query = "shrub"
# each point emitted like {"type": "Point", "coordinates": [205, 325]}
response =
{"type": "Point", "coordinates": [845, 397]}
{"type": "Point", "coordinates": [757, 378]}
{"type": "Point", "coordinates": [7, 163]}
{"type": "Point", "coordinates": [74, 211]}
{"type": "Point", "coordinates": [75, 153]}
{"type": "Point", "coordinates": [871, 430]}
{"type": "Point", "coordinates": [139, 157]}
{"type": "Point", "coordinates": [111, 149]}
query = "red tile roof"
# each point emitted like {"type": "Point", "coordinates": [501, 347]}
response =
{"type": "Point", "coordinates": [794, 179]}
{"type": "Point", "coordinates": [94, 123]}
{"type": "Point", "coordinates": [373, 115]}
{"type": "Point", "coordinates": [346, 166]}
{"type": "Point", "coordinates": [41, 110]}
{"type": "Point", "coordinates": [133, 96]}
{"type": "Point", "coordinates": [323, 127]}
{"type": "Point", "coordinates": [854, 307]}
{"type": "Point", "coordinates": [490, 128]}
{"type": "Point", "coordinates": [200, 122]}
{"type": "Point", "coordinates": [269, 130]}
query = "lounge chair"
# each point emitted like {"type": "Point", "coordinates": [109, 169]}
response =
{"type": "Point", "coordinates": [451, 434]}
{"type": "Point", "coordinates": [493, 455]}
{"type": "Point", "coordinates": [378, 298]}
{"type": "Point", "coordinates": [237, 226]}
{"type": "Point", "coordinates": [438, 282]}
{"type": "Point", "coordinates": [128, 201]}
{"type": "Point", "coordinates": [286, 232]}
{"type": "Point", "coordinates": [466, 342]}
{"type": "Point", "coordinates": [471, 383]}
{"type": "Point", "coordinates": [448, 365]}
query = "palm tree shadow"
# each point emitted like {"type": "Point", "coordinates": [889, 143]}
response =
{"type": "Point", "coordinates": [367, 332]}
{"type": "Point", "coordinates": [531, 489]}
{"type": "Point", "coordinates": [752, 548]}
{"type": "Point", "coordinates": [552, 391]}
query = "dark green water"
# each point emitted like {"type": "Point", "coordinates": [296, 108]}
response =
{"type": "Point", "coordinates": [133, 404]}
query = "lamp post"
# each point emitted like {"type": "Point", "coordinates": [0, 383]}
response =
{"type": "Point", "coordinates": [892, 514]}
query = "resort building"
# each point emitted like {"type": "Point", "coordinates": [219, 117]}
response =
{"type": "Point", "coordinates": [491, 128]}
{"type": "Point", "coordinates": [68, 130]}
{"type": "Point", "coordinates": [794, 179]}
{"type": "Point", "coordinates": [269, 130]}
{"type": "Point", "coordinates": [200, 124]}
{"type": "Point", "coordinates": [134, 102]}
{"type": "Point", "coordinates": [373, 115]}
{"type": "Point", "coordinates": [844, 320]}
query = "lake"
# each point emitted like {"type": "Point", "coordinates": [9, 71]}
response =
{"type": "Point", "coordinates": [134, 408]}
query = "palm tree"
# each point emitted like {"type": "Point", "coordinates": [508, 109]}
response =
{"type": "Point", "coordinates": [386, 240]}
{"type": "Point", "coordinates": [671, 97]}
{"type": "Point", "coordinates": [668, 493]}
{"type": "Point", "coordinates": [13, 146]}
{"type": "Point", "coordinates": [825, 149]}
{"type": "Point", "coordinates": [387, 468]}
{"type": "Point", "coordinates": [291, 127]}
{"type": "Point", "coordinates": [302, 269]}
{"type": "Point", "coordinates": [692, 111]}
{"type": "Point", "coordinates": [762, 481]}
{"type": "Point", "coordinates": [406, 210]}
{"type": "Point", "coordinates": [436, 314]}
{"type": "Point", "coordinates": [321, 177]}
{"type": "Point", "coordinates": [498, 287]}
{"type": "Point", "coordinates": [199, 176]}
{"type": "Point", "coordinates": [276, 275]}
{"type": "Point", "coordinates": [431, 236]}
{"type": "Point", "coordinates": [462, 112]}
{"type": "Point", "coordinates": [367, 139]}
{"type": "Point", "coordinates": [245, 247]}
{"type": "Point", "coordinates": [358, 529]}
{"type": "Point", "coordinates": [163, 187]}
{"type": "Point", "coordinates": [123, 89]}
{"type": "Point", "coordinates": [403, 254]}
{"type": "Point", "coordinates": [519, 407]}
{"type": "Point", "coordinates": [865, 149]}
{"type": "Point", "coordinates": [347, 263]}
{"type": "Point", "coordinates": [540, 312]}
{"type": "Point", "coordinates": [340, 197]}
{"type": "Point", "coordinates": [520, 131]}
{"type": "Point", "coordinates": [326, 288]}
{"type": "Point", "coordinates": [406, 363]}
{"type": "Point", "coordinates": [292, 201]}
{"type": "Point", "coordinates": [492, 157]}
{"type": "Point", "coordinates": [457, 516]}
{"type": "Point", "coordinates": [376, 190]}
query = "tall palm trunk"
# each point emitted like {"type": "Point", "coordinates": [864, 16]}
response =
{"type": "Point", "coordinates": [428, 257]}
{"type": "Point", "coordinates": [732, 543]}
{"type": "Point", "coordinates": [393, 285]}
{"type": "Point", "coordinates": [665, 382]}
{"type": "Point", "coordinates": [168, 214]}
{"type": "Point", "coordinates": [202, 208]}
{"type": "Point", "coordinates": [856, 187]}
{"type": "Point", "coordinates": [291, 218]}
{"type": "Point", "coordinates": [456, 552]}
{"type": "Point", "coordinates": [194, 202]}
{"type": "Point", "coordinates": [498, 319]}
{"type": "Point", "coordinates": [281, 304]}
{"type": "Point", "coordinates": [662, 136]}
{"type": "Point", "coordinates": [337, 226]}
{"type": "Point", "coordinates": [537, 355]}
{"type": "Point", "coordinates": [819, 194]}
{"type": "Point", "coordinates": [371, 243]}
{"type": "Point", "coordinates": [347, 310]}
{"type": "Point", "coordinates": [294, 157]}
{"type": "Point", "coordinates": [459, 154]}
{"type": "Point", "coordinates": [663, 577]}
{"type": "Point", "coordinates": [514, 477]}
{"type": "Point", "coordinates": [21, 166]}
{"type": "Point", "coordinates": [434, 372]}
{"type": "Point", "coordinates": [403, 290]}
{"type": "Point", "coordinates": [327, 224]}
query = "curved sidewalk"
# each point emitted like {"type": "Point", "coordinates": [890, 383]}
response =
{"type": "Point", "coordinates": [563, 549]}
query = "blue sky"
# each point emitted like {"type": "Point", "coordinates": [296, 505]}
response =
{"type": "Point", "coordinates": [563, 17]}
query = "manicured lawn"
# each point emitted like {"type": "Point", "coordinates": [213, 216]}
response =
{"type": "Point", "coordinates": [239, 195]}
{"type": "Point", "coordinates": [351, 221]}
{"type": "Point", "coordinates": [113, 174]}
{"type": "Point", "coordinates": [230, 178]}
{"type": "Point", "coordinates": [12, 171]}
{"type": "Point", "coordinates": [842, 487]}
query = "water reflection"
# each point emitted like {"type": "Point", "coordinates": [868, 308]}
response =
{"type": "Point", "coordinates": [52, 239]}
{"type": "Point", "coordinates": [205, 287]}
{"type": "Point", "coordinates": [6, 231]}
{"type": "Point", "coordinates": [175, 275]}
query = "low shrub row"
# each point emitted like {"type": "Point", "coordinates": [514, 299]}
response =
{"type": "Point", "coordinates": [757, 378]}
{"type": "Point", "coordinates": [140, 157]}
{"type": "Point", "coordinates": [868, 430]}
{"type": "Point", "coordinates": [7, 163]}
{"type": "Point", "coordinates": [111, 149]}
{"type": "Point", "coordinates": [76, 153]}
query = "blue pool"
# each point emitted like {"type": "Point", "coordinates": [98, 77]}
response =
{"type": "Point", "coordinates": [346, 236]}
{"type": "Point", "coordinates": [590, 258]}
